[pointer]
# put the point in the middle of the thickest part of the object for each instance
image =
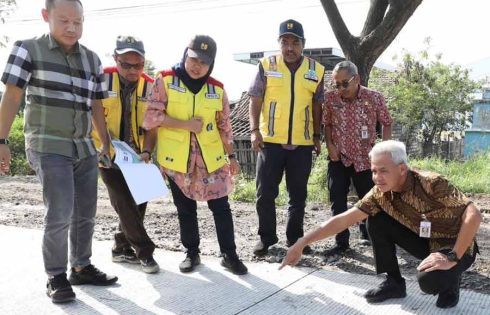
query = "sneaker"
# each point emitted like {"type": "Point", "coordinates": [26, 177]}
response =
{"type": "Point", "coordinates": [364, 240]}
{"type": "Point", "coordinates": [388, 289]}
{"type": "Point", "coordinates": [234, 264]}
{"type": "Point", "coordinates": [126, 255]}
{"type": "Point", "coordinates": [450, 297]}
{"type": "Point", "coordinates": [190, 262]}
{"type": "Point", "coordinates": [149, 265]}
{"type": "Point", "coordinates": [59, 289]}
{"type": "Point", "coordinates": [306, 250]}
{"type": "Point", "coordinates": [90, 275]}
{"type": "Point", "coordinates": [260, 249]}
{"type": "Point", "coordinates": [337, 250]}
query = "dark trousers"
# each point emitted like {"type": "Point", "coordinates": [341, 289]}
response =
{"type": "Point", "coordinates": [386, 232]}
{"type": "Point", "coordinates": [339, 178]}
{"type": "Point", "coordinates": [132, 232]}
{"type": "Point", "coordinates": [272, 161]}
{"type": "Point", "coordinates": [189, 229]}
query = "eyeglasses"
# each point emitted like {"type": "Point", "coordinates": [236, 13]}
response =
{"type": "Point", "coordinates": [344, 84]}
{"type": "Point", "coordinates": [128, 66]}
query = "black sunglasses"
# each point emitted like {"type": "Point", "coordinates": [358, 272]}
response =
{"type": "Point", "coordinates": [344, 84]}
{"type": "Point", "coordinates": [135, 66]}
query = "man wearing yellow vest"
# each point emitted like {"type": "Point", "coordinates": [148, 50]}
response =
{"type": "Point", "coordinates": [128, 87]}
{"type": "Point", "coordinates": [285, 114]}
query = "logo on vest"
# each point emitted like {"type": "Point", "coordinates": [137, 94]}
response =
{"type": "Point", "coordinates": [311, 75]}
{"type": "Point", "coordinates": [112, 94]}
{"type": "Point", "coordinates": [213, 96]}
{"type": "Point", "coordinates": [177, 88]}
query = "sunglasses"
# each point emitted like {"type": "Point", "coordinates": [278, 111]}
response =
{"type": "Point", "coordinates": [344, 84]}
{"type": "Point", "coordinates": [128, 66]}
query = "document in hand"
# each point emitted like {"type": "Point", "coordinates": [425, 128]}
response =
{"type": "Point", "coordinates": [144, 179]}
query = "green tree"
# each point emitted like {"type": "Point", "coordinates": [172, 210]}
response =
{"type": "Point", "coordinates": [428, 97]}
{"type": "Point", "coordinates": [150, 68]}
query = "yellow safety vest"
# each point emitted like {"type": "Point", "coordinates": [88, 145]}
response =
{"type": "Point", "coordinates": [174, 144]}
{"type": "Point", "coordinates": [113, 108]}
{"type": "Point", "coordinates": [287, 110]}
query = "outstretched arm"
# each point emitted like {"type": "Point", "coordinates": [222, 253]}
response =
{"type": "Point", "coordinates": [332, 226]}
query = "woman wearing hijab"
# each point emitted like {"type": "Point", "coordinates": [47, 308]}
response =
{"type": "Point", "coordinates": [188, 117]}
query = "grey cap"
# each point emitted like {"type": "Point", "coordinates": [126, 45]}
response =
{"type": "Point", "coordinates": [126, 44]}
{"type": "Point", "coordinates": [202, 47]}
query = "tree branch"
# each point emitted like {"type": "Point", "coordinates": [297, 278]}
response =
{"type": "Point", "coordinates": [399, 11]}
{"type": "Point", "coordinates": [347, 42]}
{"type": "Point", "coordinates": [375, 16]}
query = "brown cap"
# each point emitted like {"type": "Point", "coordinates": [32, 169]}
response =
{"type": "Point", "coordinates": [202, 47]}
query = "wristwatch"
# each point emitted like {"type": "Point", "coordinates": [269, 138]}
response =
{"type": "Point", "coordinates": [4, 141]}
{"type": "Point", "coordinates": [452, 256]}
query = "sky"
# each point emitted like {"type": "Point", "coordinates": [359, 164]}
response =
{"type": "Point", "coordinates": [456, 28]}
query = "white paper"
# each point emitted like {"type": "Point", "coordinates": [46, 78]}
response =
{"type": "Point", "coordinates": [144, 179]}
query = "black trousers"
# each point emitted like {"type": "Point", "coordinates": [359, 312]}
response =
{"type": "Point", "coordinates": [385, 233]}
{"type": "Point", "coordinates": [132, 232]}
{"type": "Point", "coordinates": [339, 178]}
{"type": "Point", "coordinates": [189, 229]}
{"type": "Point", "coordinates": [272, 161]}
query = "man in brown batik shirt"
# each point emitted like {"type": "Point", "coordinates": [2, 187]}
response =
{"type": "Point", "coordinates": [420, 212]}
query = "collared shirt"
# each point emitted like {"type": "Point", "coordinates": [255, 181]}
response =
{"type": "Point", "coordinates": [257, 89]}
{"type": "Point", "coordinates": [424, 196]}
{"type": "Point", "coordinates": [59, 87]}
{"type": "Point", "coordinates": [348, 118]}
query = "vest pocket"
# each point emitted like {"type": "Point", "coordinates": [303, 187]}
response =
{"type": "Point", "coordinates": [174, 135]}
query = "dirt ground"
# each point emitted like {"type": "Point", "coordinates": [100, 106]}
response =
{"type": "Point", "coordinates": [21, 205]}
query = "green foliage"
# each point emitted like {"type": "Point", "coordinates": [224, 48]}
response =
{"type": "Point", "coordinates": [150, 68]}
{"type": "Point", "coordinates": [428, 96]}
{"type": "Point", "coordinates": [317, 185]}
{"type": "Point", "coordinates": [18, 163]}
{"type": "Point", "coordinates": [467, 176]}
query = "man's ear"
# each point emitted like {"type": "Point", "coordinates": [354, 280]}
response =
{"type": "Point", "coordinates": [403, 168]}
{"type": "Point", "coordinates": [45, 14]}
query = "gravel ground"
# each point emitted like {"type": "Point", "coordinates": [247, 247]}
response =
{"type": "Point", "coordinates": [21, 205]}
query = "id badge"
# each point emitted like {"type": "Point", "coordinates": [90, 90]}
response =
{"type": "Point", "coordinates": [424, 229]}
{"type": "Point", "coordinates": [364, 132]}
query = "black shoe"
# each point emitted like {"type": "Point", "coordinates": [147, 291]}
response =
{"type": "Point", "coordinates": [234, 264]}
{"type": "Point", "coordinates": [260, 249]}
{"type": "Point", "coordinates": [388, 289]}
{"type": "Point", "coordinates": [149, 265]}
{"type": "Point", "coordinates": [337, 250]}
{"type": "Point", "coordinates": [59, 289]}
{"type": "Point", "coordinates": [190, 262]}
{"type": "Point", "coordinates": [126, 255]}
{"type": "Point", "coordinates": [364, 240]}
{"type": "Point", "coordinates": [91, 275]}
{"type": "Point", "coordinates": [450, 297]}
{"type": "Point", "coordinates": [306, 250]}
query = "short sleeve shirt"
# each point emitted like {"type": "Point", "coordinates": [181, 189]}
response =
{"type": "Point", "coordinates": [59, 89]}
{"type": "Point", "coordinates": [348, 119]}
{"type": "Point", "coordinates": [424, 196]}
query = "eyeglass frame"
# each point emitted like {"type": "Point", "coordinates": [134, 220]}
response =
{"type": "Point", "coordinates": [128, 66]}
{"type": "Point", "coordinates": [344, 84]}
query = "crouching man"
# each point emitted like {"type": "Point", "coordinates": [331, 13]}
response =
{"type": "Point", "coordinates": [419, 211]}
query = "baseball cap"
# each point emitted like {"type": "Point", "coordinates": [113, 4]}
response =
{"type": "Point", "coordinates": [202, 47]}
{"type": "Point", "coordinates": [126, 44]}
{"type": "Point", "coordinates": [291, 27]}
